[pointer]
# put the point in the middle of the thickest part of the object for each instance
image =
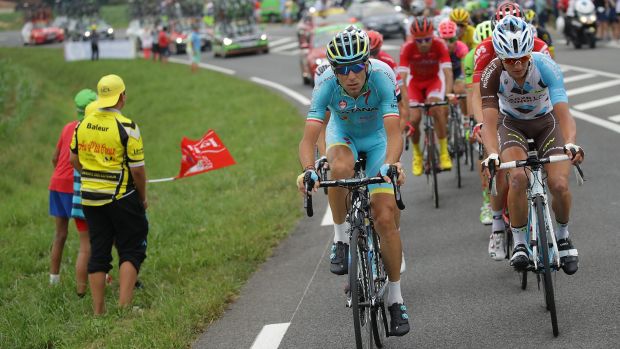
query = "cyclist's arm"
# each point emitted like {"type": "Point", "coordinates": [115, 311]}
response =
{"type": "Point", "coordinates": [552, 76]}
{"type": "Point", "coordinates": [449, 79]}
{"type": "Point", "coordinates": [476, 102]}
{"type": "Point", "coordinates": [306, 146]}
{"type": "Point", "coordinates": [321, 142]}
{"type": "Point", "coordinates": [394, 139]}
{"type": "Point", "coordinates": [391, 120]}
{"type": "Point", "coordinates": [490, 106]}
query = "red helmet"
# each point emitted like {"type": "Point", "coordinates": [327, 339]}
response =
{"type": "Point", "coordinates": [447, 29]}
{"type": "Point", "coordinates": [421, 26]}
{"type": "Point", "coordinates": [376, 41]}
{"type": "Point", "coordinates": [508, 8]}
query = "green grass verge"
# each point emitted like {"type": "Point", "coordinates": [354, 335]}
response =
{"type": "Point", "coordinates": [116, 15]}
{"type": "Point", "coordinates": [11, 21]}
{"type": "Point", "coordinates": [208, 233]}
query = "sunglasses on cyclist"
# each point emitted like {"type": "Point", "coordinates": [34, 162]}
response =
{"type": "Point", "coordinates": [513, 61]}
{"type": "Point", "coordinates": [345, 69]}
{"type": "Point", "coordinates": [424, 40]}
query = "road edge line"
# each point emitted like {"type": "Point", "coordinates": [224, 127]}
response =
{"type": "Point", "coordinates": [293, 94]}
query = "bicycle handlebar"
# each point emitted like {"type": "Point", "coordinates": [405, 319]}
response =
{"type": "Point", "coordinates": [427, 105]}
{"type": "Point", "coordinates": [530, 162]}
{"type": "Point", "coordinates": [351, 183]}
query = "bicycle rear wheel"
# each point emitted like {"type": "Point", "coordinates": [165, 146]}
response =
{"type": "Point", "coordinates": [544, 248]}
{"type": "Point", "coordinates": [378, 280]}
{"type": "Point", "coordinates": [358, 283]}
{"type": "Point", "coordinates": [432, 163]}
{"type": "Point", "coordinates": [458, 149]}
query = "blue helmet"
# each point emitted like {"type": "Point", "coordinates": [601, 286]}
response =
{"type": "Point", "coordinates": [350, 46]}
{"type": "Point", "coordinates": [513, 38]}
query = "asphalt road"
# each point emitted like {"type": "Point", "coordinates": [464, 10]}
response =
{"type": "Point", "coordinates": [457, 296]}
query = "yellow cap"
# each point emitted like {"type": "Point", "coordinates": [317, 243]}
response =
{"type": "Point", "coordinates": [109, 89]}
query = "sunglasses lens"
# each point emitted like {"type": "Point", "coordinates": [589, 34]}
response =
{"type": "Point", "coordinates": [356, 68]}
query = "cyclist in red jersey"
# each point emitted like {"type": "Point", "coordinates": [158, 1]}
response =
{"type": "Point", "coordinates": [376, 42]}
{"type": "Point", "coordinates": [483, 55]}
{"type": "Point", "coordinates": [427, 60]}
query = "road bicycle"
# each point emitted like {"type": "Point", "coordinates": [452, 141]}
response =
{"type": "Point", "coordinates": [542, 244]}
{"type": "Point", "coordinates": [367, 274]}
{"type": "Point", "coordinates": [457, 144]}
{"type": "Point", "coordinates": [430, 151]}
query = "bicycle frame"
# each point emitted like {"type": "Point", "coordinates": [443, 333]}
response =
{"type": "Point", "coordinates": [537, 188]}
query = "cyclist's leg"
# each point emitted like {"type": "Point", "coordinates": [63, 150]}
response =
{"type": "Point", "coordinates": [416, 97]}
{"type": "Point", "coordinates": [557, 180]}
{"type": "Point", "coordinates": [436, 92]}
{"type": "Point", "coordinates": [341, 155]}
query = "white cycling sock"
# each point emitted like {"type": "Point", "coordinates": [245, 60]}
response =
{"type": "Point", "coordinates": [54, 279]}
{"type": "Point", "coordinates": [518, 235]}
{"type": "Point", "coordinates": [561, 231]}
{"type": "Point", "coordinates": [394, 295]}
{"type": "Point", "coordinates": [341, 232]}
{"type": "Point", "coordinates": [498, 221]}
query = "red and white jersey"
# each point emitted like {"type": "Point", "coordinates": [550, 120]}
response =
{"type": "Point", "coordinates": [424, 66]}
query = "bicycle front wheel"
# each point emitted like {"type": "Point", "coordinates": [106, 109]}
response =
{"type": "Point", "coordinates": [432, 163]}
{"type": "Point", "coordinates": [544, 248]}
{"type": "Point", "coordinates": [358, 283]}
{"type": "Point", "coordinates": [378, 280]}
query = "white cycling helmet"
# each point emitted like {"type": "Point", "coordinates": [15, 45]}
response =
{"type": "Point", "coordinates": [512, 38]}
{"type": "Point", "coordinates": [584, 6]}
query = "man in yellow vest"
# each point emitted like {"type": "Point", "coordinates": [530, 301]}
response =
{"type": "Point", "coordinates": [107, 150]}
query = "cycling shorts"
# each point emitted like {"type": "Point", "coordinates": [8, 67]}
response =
{"type": "Point", "coordinates": [421, 90]}
{"type": "Point", "coordinates": [545, 131]}
{"type": "Point", "coordinates": [374, 145]}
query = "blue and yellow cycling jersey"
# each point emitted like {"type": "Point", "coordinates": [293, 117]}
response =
{"type": "Point", "coordinates": [357, 123]}
{"type": "Point", "coordinates": [542, 89]}
{"type": "Point", "coordinates": [359, 116]}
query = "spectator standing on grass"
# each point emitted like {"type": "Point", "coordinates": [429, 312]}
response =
{"type": "Point", "coordinates": [155, 47]}
{"type": "Point", "coordinates": [163, 41]}
{"type": "Point", "coordinates": [147, 43]}
{"type": "Point", "coordinates": [107, 150]}
{"type": "Point", "coordinates": [61, 194]}
{"type": "Point", "coordinates": [196, 44]}
{"type": "Point", "coordinates": [94, 43]}
{"type": "Point", "coordinates": [82, 100]}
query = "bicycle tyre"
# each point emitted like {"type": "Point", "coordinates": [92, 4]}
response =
{"type": "Point", "coordinates": [471, 156]}
{"type": "Point", "coordinates": [357, 283]}
{"type": "Point", "coordinates": [458, 150]}
{"type": "Point", "coordinates": [544, 248]}
{"type": "Point", "coordinates": [432, 163]}
{"type": "Point", "coordinates": [377, 312]}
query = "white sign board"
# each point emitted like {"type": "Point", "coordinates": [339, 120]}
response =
{"type": "Point", "coordinates": [114, 49]}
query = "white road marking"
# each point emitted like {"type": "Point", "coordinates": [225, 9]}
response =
{"type": "Point", "coordinates": [204, 65]}
{"type": "Point", "coordinates": [597, 103]}
{"type": "Point", "coordinates": [615, 118]}
{"type": "Point", "coordinates": [279, 41]}
{"type": "Point", "coordinates": [578, 77]}
{"type": "Point", "coordinates": [595, 120]}
{"type": "Point", "coordinates": [327, 218]}
{"type": "Point", "coordinates": [387, 47]}
{"type": "Point", "coordinates": [296, 96]}
{"type": "Point", "coordinates": [288, 53]}
{"type": "Point", "coordinates": [270, 336]}
{"type": "Point", "coordinates": [593, 87]}
{"type": "Point", "coordinates": [566, 67]}
{"type": "Point", "coordinates": [284, 47]}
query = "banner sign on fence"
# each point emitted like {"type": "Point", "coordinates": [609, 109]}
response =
{"type": "Point", "coordinates": [108, 49]}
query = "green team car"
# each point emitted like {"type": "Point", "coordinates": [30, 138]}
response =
{"type": "Point", "coordinates": [236, 30]}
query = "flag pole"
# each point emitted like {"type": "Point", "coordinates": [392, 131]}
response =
{"type": "Point", "coordinates": [169, 179]}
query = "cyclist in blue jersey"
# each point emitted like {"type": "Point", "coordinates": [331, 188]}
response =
{"type": "Point", "coordinates": [523, 96]}
{"type": "Point", "coordinates": [359, 92]}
